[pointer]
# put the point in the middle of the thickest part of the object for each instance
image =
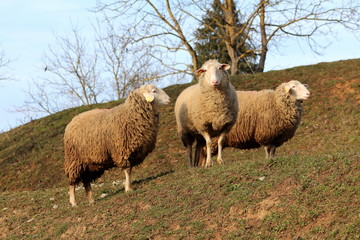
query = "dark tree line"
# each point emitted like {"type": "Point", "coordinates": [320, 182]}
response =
{"type": "Point", "coordinates": [211, 44]}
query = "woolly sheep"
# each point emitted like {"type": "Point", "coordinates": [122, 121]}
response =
{"type": "Point", "coordinates": [266, 118]}
{"type": "Point", "coordinates": [207, 109]}
{"type": "Point", "coordinates": [123, 136]}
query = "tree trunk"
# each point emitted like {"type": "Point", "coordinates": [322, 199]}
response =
{"type": "Point", "coordinates": [264, 41]}
{"type": "Point", "coordinates": [194, 60]}
{"type": "Point", "coordinates": [234, 66]}
{"type": "Point", "coordinates": [230, 20]}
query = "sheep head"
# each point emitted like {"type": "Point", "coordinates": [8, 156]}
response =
{"type": "Point", "coordinates": [153, 94]}
{"type": "Point", "coordinates": [297, 89]}
{"type": "Point", "coordinates": [212, 72]}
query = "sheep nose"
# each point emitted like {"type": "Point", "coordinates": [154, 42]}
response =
{"type": "Point", "coordinates": [214, 82]}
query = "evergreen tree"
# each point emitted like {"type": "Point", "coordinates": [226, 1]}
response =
{"type": "Point", "coordinates": [210, 46]}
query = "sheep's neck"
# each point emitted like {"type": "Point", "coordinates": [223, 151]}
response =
{"type": "Point", "coordinates": [288, 105]}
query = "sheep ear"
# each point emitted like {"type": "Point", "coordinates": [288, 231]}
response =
{"type": "Point", "coordinates": [199, 71]}
{"type": "Point", "coordinates": [287, 88]}
{"type": "Point", "coordinates": [149, 97]}
{"type": "Point", "coordinates": [225, 66]}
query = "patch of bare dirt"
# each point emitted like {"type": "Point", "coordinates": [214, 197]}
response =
{"type": "Point", "coordinates": [232, 227]}
{"type": "Point", "coordinates": [175, 226]}
{"type": "Point", "coordinates": [263, 208]}
{"type": "Point", "coordinates": [4, 230]}
{"type": "Point", "coordinates": [256, 214]}
{"type": "Point", "coordinates": [342, 89]}
{"type": "Point", "coordinates": [74, 232]}
{"type": "Point", "coordinates": [143, 206]}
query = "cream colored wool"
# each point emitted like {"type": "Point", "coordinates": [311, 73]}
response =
{"type": "Point", "coordinates": [206, 108]}
{"type": "Point", "coordinates": [123, 136]}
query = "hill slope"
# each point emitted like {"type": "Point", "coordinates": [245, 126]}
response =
{"type": "Point", "coordinates": [310, 190]}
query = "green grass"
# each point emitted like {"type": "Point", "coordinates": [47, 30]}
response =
{"type": "Point", "coordinates": [309, 191]}
{"type": "Point", "coordinates": [298, 194]}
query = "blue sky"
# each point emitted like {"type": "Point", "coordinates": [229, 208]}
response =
{"type": "Point", "coordinates": [28, 28]}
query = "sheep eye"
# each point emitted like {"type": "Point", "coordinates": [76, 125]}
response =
{"type": "Point", "coordinates": [293, 86]}
{"type": "Point", "coordinates": [154, 91]}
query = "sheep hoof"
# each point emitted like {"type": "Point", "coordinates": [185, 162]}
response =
{"type": "Point", "coordinates": [129, 190]}
{"type": "Point", "coordinates": [220, 161]}
{"type": "Point", "coordinates": [74, 205]}
{"type": "Point", "coordinates": [208, 165]}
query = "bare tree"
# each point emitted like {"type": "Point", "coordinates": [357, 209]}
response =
{"type": "Point", "coordinates": [172, 23]}
{"type": "Point", "coordinates": [162, 25]}
{"type": "Point", "coordinates": [235, 32]}
{"type": "Point", "coordinates": [77, 75]}
{"type": "Point", "coordinates": [39, 101]}
{"type": "Point", "coordinates": [4, 65]}
{"type": "Point", "coordinates": [73, 66]}
{"type": "Point", "coordinates": [71, 78]}
{"type": "Point", "coordinates": [269, 22]}
{"type": "Point", "coordinates": [304, 19]}
{"type": "Point", "coordinates": [127, 65]}
{"type": "Point", "coordinates": [264, 23]}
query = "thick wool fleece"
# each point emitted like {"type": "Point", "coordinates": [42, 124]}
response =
{"type": "Point", "coordinates": [204, 108]}
{"type": "Point", "coordinates": [100, 139]}
{"type": "Point", "coordinates": [266, 117]}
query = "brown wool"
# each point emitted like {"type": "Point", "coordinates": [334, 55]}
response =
{"type": "Point", "coordinates": [98, 140]}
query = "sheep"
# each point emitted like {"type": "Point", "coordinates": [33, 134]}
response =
{"type": "Point", "coordinates": [100, 139]}
{"type": "Point", "coordinates": [207, 109]}
{"type": "Point", "coordinates": [266, 118]}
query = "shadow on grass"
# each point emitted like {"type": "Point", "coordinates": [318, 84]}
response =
{"type": "Point", "coordinates": [137, 182]}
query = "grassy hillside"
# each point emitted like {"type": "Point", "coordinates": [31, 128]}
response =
{"type": "Point", "coordinates": [310, 191]}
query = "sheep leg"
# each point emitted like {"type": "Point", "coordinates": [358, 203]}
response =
{"type": "Point", "coordinates": [270, 151]}
{"type": "Point", "coordinates": [72, 195]}
{"type": "Point", "coordinates": [267, 151]}
{"type": "Point", "coordinates": [127, 179]}
{"type": "Point", "coordinates": [189, 154]}
{"type": "Point", "coordinates": [201, 156]}
{"type": "Point", "coordinates": [199, 153]}
{"type": "Point", "coordinates": [89, 192]}
{"type": "Point", "coordinates": [220, 147]}
{"type": "Point", "coordinates": [208, 150]}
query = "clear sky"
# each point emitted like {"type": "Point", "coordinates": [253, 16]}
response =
{"type": "Point", "coordinates": [28, 28]}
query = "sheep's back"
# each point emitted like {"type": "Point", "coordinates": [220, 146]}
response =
{"type": "Point", "coordinates": [183, 107]}
{"type": "Point", "coordinates": [260, 121]}
{"type": "Point", "coordinates": [84, 137]}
